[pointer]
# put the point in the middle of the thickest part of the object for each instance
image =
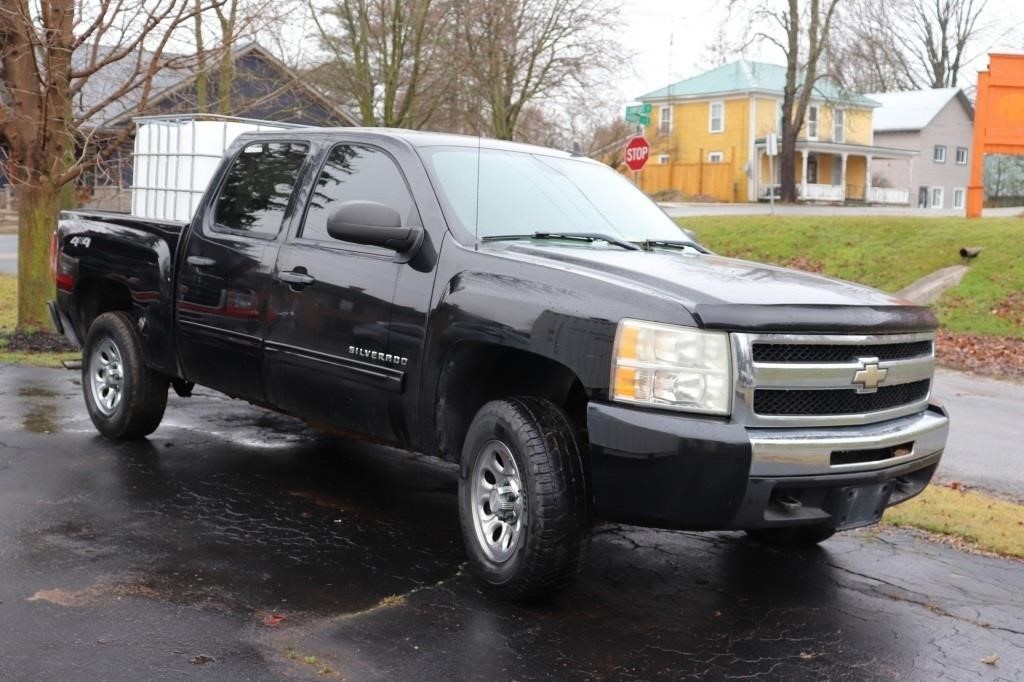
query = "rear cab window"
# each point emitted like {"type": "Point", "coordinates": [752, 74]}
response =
{"type": "Point", "coordinates": [257, 189]}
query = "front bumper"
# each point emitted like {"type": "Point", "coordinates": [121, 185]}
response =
{"type": "Point", "coordinates": [706, 473]}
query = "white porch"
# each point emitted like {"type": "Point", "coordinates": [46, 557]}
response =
{"type": "Point", "coordinates": [828, 172]}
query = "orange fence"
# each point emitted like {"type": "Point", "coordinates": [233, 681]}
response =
{"type": "Point", "coordinates": [713, 180]}
{"type": "Point", "coordinates": [998, 120]}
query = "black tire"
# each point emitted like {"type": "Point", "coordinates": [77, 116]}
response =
{"type": "Point", "coordinates": [554, 514]}
{"type": "Point", "coordinates": [795, 537]}
{"type": "Point", "coordinates": [143, 392]}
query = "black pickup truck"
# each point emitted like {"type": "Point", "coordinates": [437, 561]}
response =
{"type": "Point", "coordinates": [524, 312]}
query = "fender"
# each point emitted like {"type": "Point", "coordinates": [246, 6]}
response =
{"type": "Point", "coordinates": [134, 253]}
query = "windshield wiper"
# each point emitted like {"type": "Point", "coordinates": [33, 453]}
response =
{"type": "Point", "coordinates": [585, 236]}
{"type": "Point", "coordinates": [648, 244]}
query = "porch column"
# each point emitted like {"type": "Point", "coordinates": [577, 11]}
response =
{"type": "Point", "coordinates": [867, 178]}
{"type": "Point", "coordinates": [803, 177]}
{"type": "Point", "coordinates": [842, 176]}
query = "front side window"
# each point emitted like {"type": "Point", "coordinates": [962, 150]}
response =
{"type": "Point", "coordinates": [812, 122]}
{"type": "Point", "coordinates": [716, 117]}
{"type": "Point", "coordinates": [258, 188]}
{"type": "Point", "coordinates": [961, 156]}
{"type": "Point", "coordinates": [939, 154]}
{"type": "Point", "coordinates": [354, 172]}
{"type": "Point", "coordinates": [665, 120]}
{"type": "Point", "coordinates": [839, 125]}
{"type": "Point", "coordinates": [937, 197]}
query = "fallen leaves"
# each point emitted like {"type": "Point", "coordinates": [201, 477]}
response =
{"type": "Point", "coordinates": [990, 660]}
{"type": "Point", "coordinates": [997, 356]}
{"type": "Point", "coordinates": [274, 619]}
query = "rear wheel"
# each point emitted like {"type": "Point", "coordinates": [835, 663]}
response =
{"type": "Point", "coordinates": [523, 498]}
{"type": "Point", "coordinates": [125, 399]}
{"type": "Point", "coordinates": [794, 537]}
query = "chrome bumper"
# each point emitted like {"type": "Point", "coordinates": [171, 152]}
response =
{"type": "Point", "coordinates": [809, 451]}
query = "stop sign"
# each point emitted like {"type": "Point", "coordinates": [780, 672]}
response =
{"type": "Point", "coordinates": [637, 152]}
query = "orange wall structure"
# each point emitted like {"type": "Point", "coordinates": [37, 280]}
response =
{"type": "Point", "coordinates": [998, 120]}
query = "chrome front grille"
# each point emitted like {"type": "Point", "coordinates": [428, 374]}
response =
{"type": "Point", "coordinates": [788, 380]}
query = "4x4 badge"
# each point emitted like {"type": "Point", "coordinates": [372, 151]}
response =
{"type": "Point", "coordinates": [869, 376]}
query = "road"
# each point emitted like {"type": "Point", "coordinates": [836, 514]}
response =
{"type": "Point", "coordinates": [682, 210]}
{"type": "Point", "coordinates": [235, 544]}
{"type": "Point", "coordinates": [986, 440]}
{"type": "Point", "coordinates": [8, 253]}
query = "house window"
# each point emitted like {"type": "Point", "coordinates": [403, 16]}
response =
{"type": "Point", "coordinates": [663, 158]}
{"type": "Point", "coordinates": [961, 156]}
{"type": "Point", "coordinates": [939, 154]}
{"type": "Point", "coordinates": [716, 117]}
{"type": "Point", "coordinates": [812, 122]}
{"type": "Point", "coordinates": [716, 157]}
{"type": "Point", "coordinates": [665, 120]}
{"type": "Point", "coordinates": [839, 125]}
{"type": "Point", "coordinates": [936, 197]}
{"type": "Point", "coordinates": [958, 197]}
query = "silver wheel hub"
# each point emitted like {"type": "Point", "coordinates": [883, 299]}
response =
{"type": "Point", "coordinates": [499, 505]}
{"type": "Point", "coordinates": [106, 377]}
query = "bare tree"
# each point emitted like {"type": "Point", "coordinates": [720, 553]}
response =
{"type": "Point", "coordinates": [804, 37]}
{"type": "Point", "coordinates": [519, 52]}
{"type": "Point", "coordinates": [387, 55]}
{"type": "Point", "coordinates": [884, 45]}
{"type": "Point", "coordinates": [49, 51]}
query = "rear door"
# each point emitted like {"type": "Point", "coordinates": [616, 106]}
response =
{"type": "Point", "coordinates": [328, 355]}
{"type": "Point", "coordinates": [224, 278]}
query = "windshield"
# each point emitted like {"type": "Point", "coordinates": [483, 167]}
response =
{"type": "Point", "coordinates": [523, 193]}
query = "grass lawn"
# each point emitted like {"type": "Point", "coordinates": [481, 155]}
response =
{"type": "Point", "coordinates": [890, 253]}
{"type": "Point", "coordinates": [990, 523]}
{"type": "Point", "coordinates": [9, 319]}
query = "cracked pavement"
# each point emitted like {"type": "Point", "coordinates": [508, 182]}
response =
{"type": "Point", "coordinates": [236, 544]}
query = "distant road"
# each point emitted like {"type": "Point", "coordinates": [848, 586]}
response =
{"type": "Point", "coordinates": [682, 210]}
{"type": "Point", "coordinates": [8, 253]}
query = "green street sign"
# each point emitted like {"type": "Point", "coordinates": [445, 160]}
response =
{"type": "Point", "coordinates": [639, 113]}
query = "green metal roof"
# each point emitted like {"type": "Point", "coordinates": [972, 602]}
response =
{"type": "Point", "coordinates": [747, 76]}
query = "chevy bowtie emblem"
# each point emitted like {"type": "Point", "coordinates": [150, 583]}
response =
{"type": "Point", "coordinates": [869, 376]}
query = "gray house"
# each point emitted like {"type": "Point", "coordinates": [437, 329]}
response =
{"type": "Point", "coordinates": [939, 125]}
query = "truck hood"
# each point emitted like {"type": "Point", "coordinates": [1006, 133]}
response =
{"type": "Point", "coordinates": [730, 293]}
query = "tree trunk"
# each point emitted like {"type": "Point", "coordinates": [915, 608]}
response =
{"type": "Point", "coordinates": [39, 206]}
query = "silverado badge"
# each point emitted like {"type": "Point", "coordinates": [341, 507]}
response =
{"type": "Point", "coordinates": [869, 376]}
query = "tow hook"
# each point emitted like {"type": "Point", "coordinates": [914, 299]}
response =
{"type": "Point", "coordinates": [789, 502]}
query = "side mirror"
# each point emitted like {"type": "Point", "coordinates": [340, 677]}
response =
{"type": "Point", "coordinates": [374, 224]}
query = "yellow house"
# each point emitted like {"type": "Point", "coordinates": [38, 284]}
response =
{"type": "Point", "coordinates": [708, 137]}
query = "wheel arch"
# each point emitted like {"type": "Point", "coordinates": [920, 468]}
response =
{"type": "Point", "coordinates": [475, 372]}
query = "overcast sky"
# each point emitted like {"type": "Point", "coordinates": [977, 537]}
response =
{"type": "Point", "coordinates": [694, 24]}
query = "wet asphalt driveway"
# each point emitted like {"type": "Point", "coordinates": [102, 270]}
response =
{"type": "Point", "coordinates": [237, 545]}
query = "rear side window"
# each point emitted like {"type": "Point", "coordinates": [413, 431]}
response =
{"type": "Point", "coordinates": [258, 187]}
{"type": "Point", "coordinates": [352, 173]}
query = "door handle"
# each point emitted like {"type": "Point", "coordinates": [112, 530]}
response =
{"type": "Point", "coordinates": [200, 261]}
{"type": "Point", "coordinates": [296, 278]}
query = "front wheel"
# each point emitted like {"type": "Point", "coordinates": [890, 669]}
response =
{"type": "Point", "coordinates": [523, 501]}
{"type": "Point", "coordinates": [794, 537]}
{"type": "Point", "coordinates": [125, 399]}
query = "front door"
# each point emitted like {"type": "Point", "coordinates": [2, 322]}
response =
{"type": "Point", "coordinates": [228, 259]}
{"type": "Point", "coordinates": [327, 344]}
{"type": "Point", "coordinates": [812, 169]}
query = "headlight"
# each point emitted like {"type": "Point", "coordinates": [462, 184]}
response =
{"type": "Point", "coordinates": [673, 367]}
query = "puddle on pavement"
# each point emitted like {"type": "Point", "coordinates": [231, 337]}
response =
{"type": "Point", "coordinates": [40, 415]}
